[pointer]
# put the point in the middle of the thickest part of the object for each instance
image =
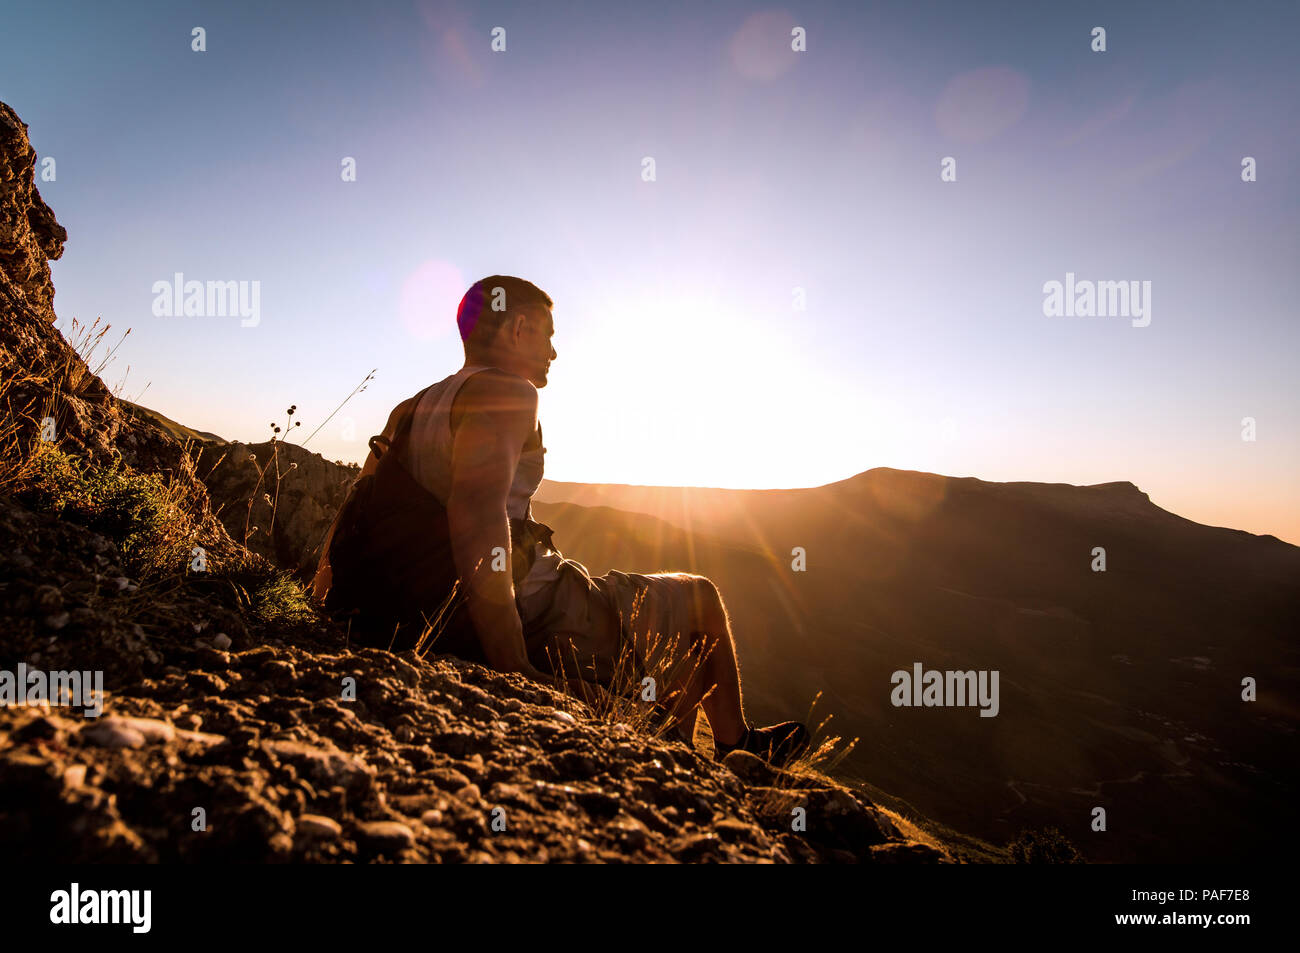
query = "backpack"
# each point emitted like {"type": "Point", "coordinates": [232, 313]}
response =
{"type": "Point", "coordinates": [391, 559]}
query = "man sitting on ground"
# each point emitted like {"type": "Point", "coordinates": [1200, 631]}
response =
{"type": "Point", "coordinates": [475, 443]}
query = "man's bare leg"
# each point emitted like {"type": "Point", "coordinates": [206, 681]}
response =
{"type": "Point", "coordinates": [724, 707]}
{"type": "Point", "coordinates": [710, 638]}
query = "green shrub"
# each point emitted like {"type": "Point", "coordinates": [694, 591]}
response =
{"type": "Point", "coordinates": [281, 600]}
{"type": "Point", "coordinates": [139, 512]}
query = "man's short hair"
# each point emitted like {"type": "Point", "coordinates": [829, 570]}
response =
{"type": "Point", "coordinates": [479, 322]}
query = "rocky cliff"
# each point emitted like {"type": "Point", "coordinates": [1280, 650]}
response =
{"type": "Point", "coordinates": [30, 238]}
{"type": "Point", "coordinates": [236, 722]}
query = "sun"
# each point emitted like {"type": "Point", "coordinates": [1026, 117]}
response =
{"type": "Point", "coordinates": [690, 389]}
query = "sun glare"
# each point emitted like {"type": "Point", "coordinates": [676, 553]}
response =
{"type": "Point", "coordinates": [701, 392]}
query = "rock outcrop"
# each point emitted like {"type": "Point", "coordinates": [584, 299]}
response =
{"type": "Point", "coordinates": [30, 238]}
{"type": "Point", "coordinates": [289, 516]}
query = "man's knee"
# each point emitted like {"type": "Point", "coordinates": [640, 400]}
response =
{"type": "Point", "coordinates": [708, 613]}
{"type": "Point", "coordinates": [710, 634]}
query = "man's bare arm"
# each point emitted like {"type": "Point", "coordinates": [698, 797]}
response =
{"type": "Point", "coordinates": [500, 415]}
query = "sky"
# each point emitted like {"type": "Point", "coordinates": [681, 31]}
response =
{"type": "Point", "coordinates": [795, 296]}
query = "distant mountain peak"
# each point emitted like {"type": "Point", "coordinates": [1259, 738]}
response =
{"type": "Point", "coordinates": [1119, 487]}
{"type": "Point", "coordinates": [896, 478]}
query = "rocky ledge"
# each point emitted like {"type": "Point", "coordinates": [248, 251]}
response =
{"type": "Point", "coordinates": [220, 740]}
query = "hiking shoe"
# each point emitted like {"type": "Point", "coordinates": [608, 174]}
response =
{"type": "Point", "coordinates": [775, 744]}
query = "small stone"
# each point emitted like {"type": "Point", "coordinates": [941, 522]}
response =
{"type": "Point", "coordinates": [576, 764]}
{"type": "Point", "coordinates": [628, 832]}
{"type": "Point", "coordinates": [74, 776]}
{"type": "Point", "coordinates": [565, 717]}
{"type": "Point", "coordinates": [278, 670]}
{"type": "Point", "coordinates": [57, 620]}
{"type": "Point", "coordinates": [731, 830]}
{"type": "Point", "coordinates": [837, 801]}
{"type": "Point", "coordinates": [320, 764]}
{"type": "Point", "coordinates": [433, 818]}
{"type": "Point", "coordinates": [213, 658]}
{"type": "Point", "coordinates": [507, 792]}
{"type": "Point", "coordinates": [386, 835]}
{"type": "Point", "coordinates": [841, 814]}
{"type": "Point", "coordinates": [908, 853]}
{"type": "Point", "coordinates": [449, 779]}
{"type": "Point", "coordinates": [750, 768]}
{"type": "Point", "coordinates": [152, 729]}
{"type": "Point", "coordinates": [199, 737]}
{"type": "Point", "coordinates": [695, 845]}
{"type": "Point", "coordinates": [206, 682]}
{"type": "Point", "coordinates": [481, 712]}
{"type": "Point", "coordinates": [221, 641]}
{"type": "Point", "coordinates": [319, 827]}
{"type": "Point", "coordinates": [598, 802]}
{"type": "Point", "coordinates": [106, 734]}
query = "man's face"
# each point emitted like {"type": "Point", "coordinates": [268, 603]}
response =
{"type": "Point", "coordinates": [535, 349]}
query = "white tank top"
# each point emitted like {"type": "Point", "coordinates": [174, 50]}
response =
{"type": "Point", "coordinates": [429, 459]}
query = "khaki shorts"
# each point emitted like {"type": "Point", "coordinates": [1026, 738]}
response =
{"type": "Point", "coordinates": [607, 625]}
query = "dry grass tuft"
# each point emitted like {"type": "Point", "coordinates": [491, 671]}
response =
{"type": "Point", "coordinates": [635, 693]}
{"type": "Point", "coordinates": [80, 367]}
{"type": "Point", "coordinates": [20, 429]}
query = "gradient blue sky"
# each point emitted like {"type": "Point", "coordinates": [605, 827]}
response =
{"type": "Point", "coordinates": [681, 358]}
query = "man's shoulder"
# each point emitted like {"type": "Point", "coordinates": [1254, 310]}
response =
{"type": "Point", "coordinates": [496, 390]}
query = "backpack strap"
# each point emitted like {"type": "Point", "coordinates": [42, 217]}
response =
{"type": "Point", "coordinates": [401, 434]}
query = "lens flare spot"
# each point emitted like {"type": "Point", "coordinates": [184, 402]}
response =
{"type": "Point", "coordinates": [429, 298]}
{"type": "Point", "coordinates": [760, 49]}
